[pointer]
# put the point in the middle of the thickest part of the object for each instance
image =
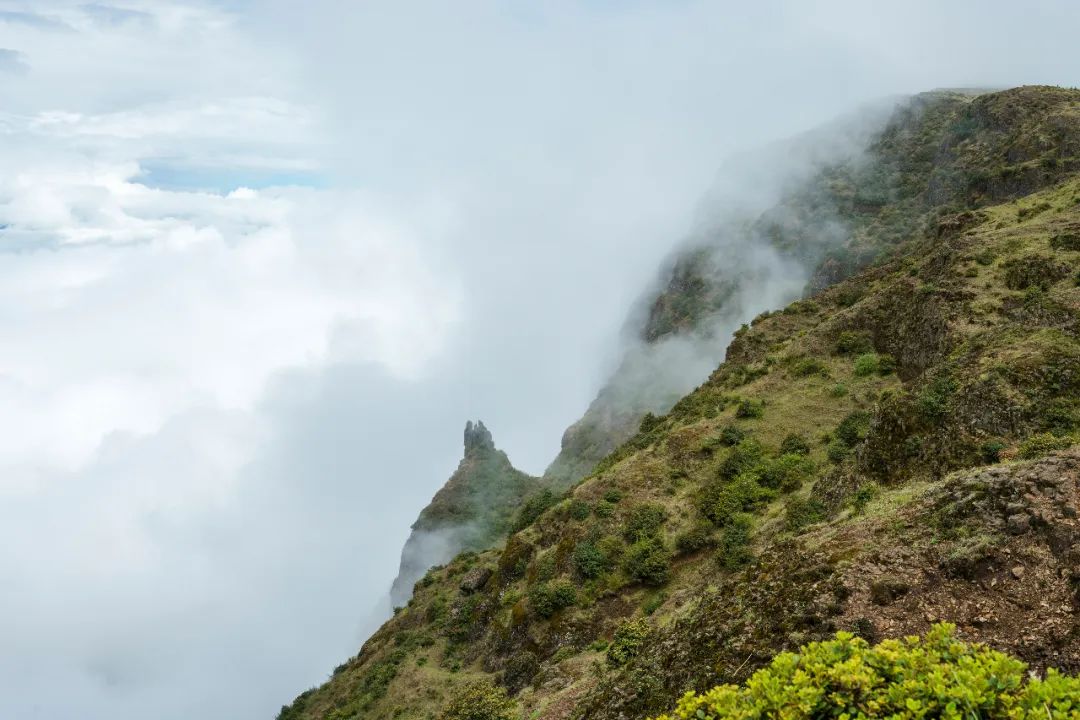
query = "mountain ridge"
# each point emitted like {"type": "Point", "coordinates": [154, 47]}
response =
{"type": "Point", "coordinates": [896, 447]}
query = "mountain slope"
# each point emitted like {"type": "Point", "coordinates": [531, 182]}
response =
{"type": "Point", "coordinates": [846, 200]}
{"type": "Point", "coordinates": [896, 449]}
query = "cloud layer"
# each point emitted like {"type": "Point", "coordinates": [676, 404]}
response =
{"type": "Point", "coordinates": [260, 261]}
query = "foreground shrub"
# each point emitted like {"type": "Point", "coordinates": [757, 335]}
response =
{"type": "Point", "coordinates": [750, 409]}
{"type": "Point", "coordinates": [697, 537]}
{"type": "Point", "coordinates": [648, 561]}
{"type": "Point", "coordinates": [854, 343]}
{"type": "Point", "coordinates": [786, 472]}
{"type": "Point", "coordinates": [548, 599]}
{"type": "Point", "coordinates": [934, 677]}
{"type": "Point", "coordinates": [733, 550]}
{"type": "Point", "coordinates": [589, 560]}
{"type": "Point", "coordinates": [479, 701]}
{"type": "Point", "coordinates": [794, 444]}
{"type": "Point", "coordinates": [627, 642]}
{"type": "Point", "coordinates": [721, 501]}
{"type": "Point", "coordinates": [1041, 444]}
{"type": "Point", "coordinates": [644, 521]}
{"type": "Point", "coordinates": [867, 364]}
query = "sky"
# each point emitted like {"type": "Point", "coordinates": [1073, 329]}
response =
{"type": "Point", "coordinates": [260, 261]}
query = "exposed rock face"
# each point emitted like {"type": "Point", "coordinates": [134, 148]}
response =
{"type": "Point", "coordinates": [478, 438]}
{"type": "Point", "coordinates": [471, 511]}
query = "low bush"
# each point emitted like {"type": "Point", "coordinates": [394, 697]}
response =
{"type": "Point", "coordinates": [786, 472]}
{"type": "Point", "coordinates": [697, 537]}
{"type": "Point", "coordinates": [933, 401]}
{"type": "Point", "coordinates": [934, 677]}
{"type": "Point", "coordinates": [721, 501]}
{"type": "Point", "coordinates": [733, 550]}
{"type": "Point", "coordinates": [749, 409]}
{"type": "Point", "coordinates": [866, 364]}
{"type": "Point", "coordinates": [853, 429]}
{"type": "Point", "coordinates": [794, 444]}
{"type": "Point", "coordinates": [1066, 241]}
{"type": "Point", "coordinates": [1034, 271]}
{"type": "Point", "coordinates": [808, 366]}
{"type": "Point", "coordinates": [801, 512]}
{"type": "Point", "coordinates": [589, 560]}
{"type": "Point", "coordinates": [853, 343]}
{"type": "Point", "coordinates": [533, 507]}
{"type": "Point", "coordinates": [547, 599]}
{"type": "Point", "coordinates": [648, 561]}
{"type": "Point", "coordinates": [744, 457]}
{"type": "Point", "coordinates": [479, 701]}
{"type": "Point", "coordinates": [732, 435]}
{"type": "Point", "coordinates": [627, 642]}
{"type": "Point", "coordinates": [1038, 445]}
{"type": "Point", "coordinates": [644, 521]}
{"type": "Point", "coordinates": [579, 509]}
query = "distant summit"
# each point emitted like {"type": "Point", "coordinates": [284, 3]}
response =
{"type": "Point", "coordinates": [477, 437]}
{"type": "Point", "coordinates": [472, 511]}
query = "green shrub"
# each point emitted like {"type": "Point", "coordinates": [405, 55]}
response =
{"type": "Point", "coordinates": [862, 497]}
{"type": "Point", "coordinates": [604, 510]}
{"type": "Point", "coordinates": [866, 364]}
{"type": "Point", "coordinates": [549, 598]}
{"type": "Point", "coordinates": [612, 495]}
{"type": "Point", "coordinates": [786, 472]}
{"type": "Point", "coordinates": [935, 677]}
{"type": "Point", "coordinates": [732, 435]}
{"type": "Point", "coordinates": [886, 364]}
{"type": "Point", "coordinates": [933, 401]}
{"type": "Point", "coordinates": [648, 561]}
{"type": "Point", "coordinates": [1066, 241]}
{"type": "Point", "coordinates": [807, 366]}
{"type": "Point", "coordinates": [589, 560]}
{"type": "Point", "coordinates": [853, 343]}
{"type": "Point", "coordinates": [794, 444]}
{"type": "Point", "coordinates": [579, 509]}
{"type": "Point", "coordinates": [721, 501]}
{"type": "Point", "coordinates": [837, 451]}
{"type": "Point", "coordinates": [653, 603]}
{"type": "Point", "coordinates": [644, 521]}
{"type": "Point", "coordinates": [801, 512]}
{"type": "Point", "coordinates": [649, 423]}
{"type": "Point", "coordinates": [733, 550]}
{"type": "Point", "coordinates": [1038, 445]}
{"type": "Point", "coordinates": [1034, 271]}
{"type": "Point", "coordinates": [743, 458]}
{"type": "Point", "coordinates": [627, 642]}
{"type": "Point", "coordinates": [838, 390]}
{"type": "Point", "coordinates": [479, 700]}
{"type": "Point", "coordinates": [853, 429]}
{"type": "Point", "coordinates": [749, 408]}
{"type": "Point", "coordinates": [695, 538]}
{"type": "Point", "coordinates": [990, 451]}
{"type": "Point", "coordinates": [612, 547]}
{"type": "Point", "coordinates": [533, 507]}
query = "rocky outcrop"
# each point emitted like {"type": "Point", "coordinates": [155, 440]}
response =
{"type": "Point", "coordinates": [472, 511]}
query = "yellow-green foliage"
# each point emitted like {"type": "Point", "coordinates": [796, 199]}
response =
{"type": "Point", "coordinates": [933, 677]}
{"type": "Point", "coordinates": [479, 701]}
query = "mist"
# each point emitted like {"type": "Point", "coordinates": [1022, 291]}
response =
{"type": "Point", "coordinates": [260, 262]}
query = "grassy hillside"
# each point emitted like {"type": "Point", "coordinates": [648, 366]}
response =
{"type": "Point", "coordinates": [898, 449]}
{"type": "Point", "coordinates": [937, 154]}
